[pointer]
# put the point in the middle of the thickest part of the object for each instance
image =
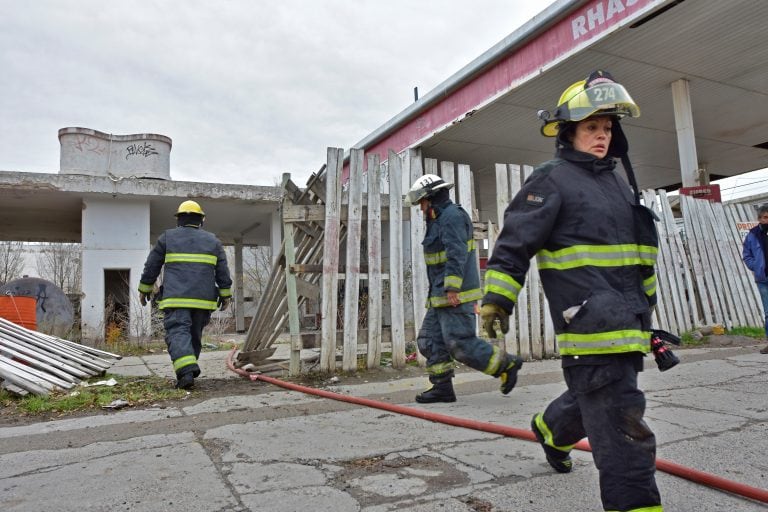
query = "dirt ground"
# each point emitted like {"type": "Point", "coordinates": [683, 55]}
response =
{"type": "Point", "coordinates": [212, 388]}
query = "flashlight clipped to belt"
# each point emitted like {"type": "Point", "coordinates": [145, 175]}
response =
{"type": "Point", "coordinates": [665, 358]}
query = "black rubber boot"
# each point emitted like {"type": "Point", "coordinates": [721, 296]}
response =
{"type": "Point", "coordinates": [439, 392]}
{"type": "Point", "coordinates": [185, 381]}
{"type": "Point", "coordinates": [508, 375]}
{"type": "Point", "coordinates": [559, 460]}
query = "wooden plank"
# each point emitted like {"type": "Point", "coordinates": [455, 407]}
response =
{"type": "Point", "coordinates": [502, 197]}
{"type": "Point", "coordinates": [396, 259]}
{"type": "Point", "coordinates": [352, 281]}
{"type": "Point", "coordinates": [448, 174]}
{"type": "Point", "coordinates": [374, 262]}
{"type": "Point", "coordinates": [430, 166]}
{"type": "Point", "coordinates": [679, 276]}
{"type": "Point", "coordinates": [464, 195]}
{"type": "Point", "coordinates": [711, 272]}
{"type": "Point", "coordinates": [306, 289]}
{"type": "Point", "coordinates": [463, 187]}
{"type": "Point", "coordinates": [419, 285]}
{"type": "Point", "coordinates": [331, 259]}
{"type": "Point", "coordinates": [523, 305]}
{"type": "Point", "coordinates": [294, 367]}
{"type": "Point", "coordinates": [727, 270]}
{"type": "Point", "coordinates": [723, 295]}
{"type": "Point", "coordinates": [697, 261]}
{"type": "Point", "coordinates": [663, 302]}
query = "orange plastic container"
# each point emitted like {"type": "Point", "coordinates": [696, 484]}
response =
{"type": "Point", "coordinates": [19, 310]}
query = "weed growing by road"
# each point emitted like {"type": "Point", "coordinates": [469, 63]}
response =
{"type": "Point", "coordinates": [136, 391]}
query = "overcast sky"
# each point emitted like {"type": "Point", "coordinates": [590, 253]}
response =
{"type": "Point", "coordinates": [246, 89]}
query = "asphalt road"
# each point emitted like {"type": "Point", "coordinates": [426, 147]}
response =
{"type": "Point", "coordinates": [264, 448]}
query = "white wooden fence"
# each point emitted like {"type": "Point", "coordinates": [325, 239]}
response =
{"type": "Point", "coordinates": [333, 234]}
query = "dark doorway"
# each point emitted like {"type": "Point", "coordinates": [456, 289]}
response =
{"type": "Point", "coordinates": [117, 302]}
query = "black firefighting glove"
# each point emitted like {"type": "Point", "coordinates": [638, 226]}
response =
{"type": "Point", "coordinates": [144, 298]}
{"type": "Point", "coordinates": [223, 303]}
{"type": "Point", "coordinates": [490, 313]}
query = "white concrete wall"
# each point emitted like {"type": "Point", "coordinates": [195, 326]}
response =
{"type": "Point", "coordinates": [94, 153]}
{"type": "Point", "coordinates": [115, 236]}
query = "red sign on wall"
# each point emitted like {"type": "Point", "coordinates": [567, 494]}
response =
{"type": "Point", "coordinates": [711, 192]}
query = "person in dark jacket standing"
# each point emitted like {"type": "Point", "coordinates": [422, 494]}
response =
{"type": "Point", "coordinates": [448, 331]}
{"type": "Point", "coordinates": [755, 255]}
{"type": "Point", "coordinates": [596, 248]}
{"type": "Point", "coordinates": [196, 281]}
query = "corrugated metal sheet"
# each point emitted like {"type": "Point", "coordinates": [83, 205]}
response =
{"type": "Point", "coordinates": [38, 363]}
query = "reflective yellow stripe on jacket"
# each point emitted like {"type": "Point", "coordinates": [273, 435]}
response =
{"type": "Point", "coordinates": [465, 296]}
{"type": "Point", "coordinates": [612, 342]}
{"type": "Point", "coordinates": [174, 302]}
{"type": "Point", "coordinates": [435, 258]}
{"type": "Point", "coordinates": [182, 257]}
{"type": "Point", "coordinates": [501, 284]}
{"type": "Point", "coordinates": [146, 288]}
{"type": "Point", "coordinates": [649, 285]}
{"type": "Point", "coordinates": [597, 256]}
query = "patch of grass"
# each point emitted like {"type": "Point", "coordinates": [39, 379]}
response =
{"type": "Point", "coordinates": [125, 348]}
{"type": "Point", "coordinates": [689, 341]}
{"type": "Point", "coordinates": [221, 345]}
{"type": "Point", "coordinates": [752, 332]}
{"type": "Point", "coordinates": [137, 391]}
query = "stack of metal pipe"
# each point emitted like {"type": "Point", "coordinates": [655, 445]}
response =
{"type": "Point", "coordinates": [37, 363]}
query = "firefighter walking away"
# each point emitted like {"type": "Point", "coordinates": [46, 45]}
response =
{"type": "Point", "coordinates": [196, 281]}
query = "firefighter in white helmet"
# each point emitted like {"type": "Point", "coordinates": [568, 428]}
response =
{"type": "Point", "coordinates": [596, 247]}
{"type": "Point", "coordinates": [448, 330]}
{"type": "Point", "coordinates": [196, 281]}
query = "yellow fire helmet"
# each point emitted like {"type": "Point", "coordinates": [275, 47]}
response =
{"type": "Point", "coordinates": [598, 93]}
{"type": "Point", "coordinates": [190, 207]}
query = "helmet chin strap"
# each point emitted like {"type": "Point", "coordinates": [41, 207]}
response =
{"type": "Point", "coordinates": [620, 148]}
{"type": "Point", "coordinates": [631, 176]}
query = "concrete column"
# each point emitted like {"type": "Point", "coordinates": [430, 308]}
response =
{"type": "Point", "coordinates": [115, 236]}
{"type": "Point", "coordinates": [686, 140]}
{"type": "Point", "coordinates": [276, 234]}
{"type": "Point", "coordinates": [239, 302]}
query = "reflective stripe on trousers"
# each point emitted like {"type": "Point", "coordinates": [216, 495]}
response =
{"type": "Point", "coordinates": [604, 403]}
{"type": "Point", "coordinates": [184, 337]}
{"type": "Point", "coordinates": [448, 334]}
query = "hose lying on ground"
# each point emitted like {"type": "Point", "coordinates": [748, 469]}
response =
{"type": "Point", "coordinates": [672, 468]}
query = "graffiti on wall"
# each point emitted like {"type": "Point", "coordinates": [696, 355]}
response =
{"type": "Point", "coordinates": [146, 149]}
{"type": "Point", "coordinates": [86, 143]}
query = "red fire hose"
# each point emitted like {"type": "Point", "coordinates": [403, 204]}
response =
{"type": "Point", "coordinates": [672, 468]}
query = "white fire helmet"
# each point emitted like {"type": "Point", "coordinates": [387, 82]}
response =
{"type": "Point", "coordinates": [425, 187]}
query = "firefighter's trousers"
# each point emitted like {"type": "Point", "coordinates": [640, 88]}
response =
{"type": "Point", "coordinates": [448, 334]}
{"type": "Point", "coordinates": [184, 337]}
{"type": "Point", "coordinates": [604, 404]}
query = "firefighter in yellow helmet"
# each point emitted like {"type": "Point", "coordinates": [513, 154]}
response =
{"type": "Point", "coordinates": [196, 281]}
{"type": "Point", "coordinates": [596, 247]}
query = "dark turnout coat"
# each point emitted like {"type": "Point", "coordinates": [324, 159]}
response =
{"type": "Point", "coordinates": [196, 272]}
{"type": "Point", "coordinates": [595, 249]}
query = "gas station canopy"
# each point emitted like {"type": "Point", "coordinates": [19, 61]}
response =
{"type": "Point", "coordinates": [713, 53]}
